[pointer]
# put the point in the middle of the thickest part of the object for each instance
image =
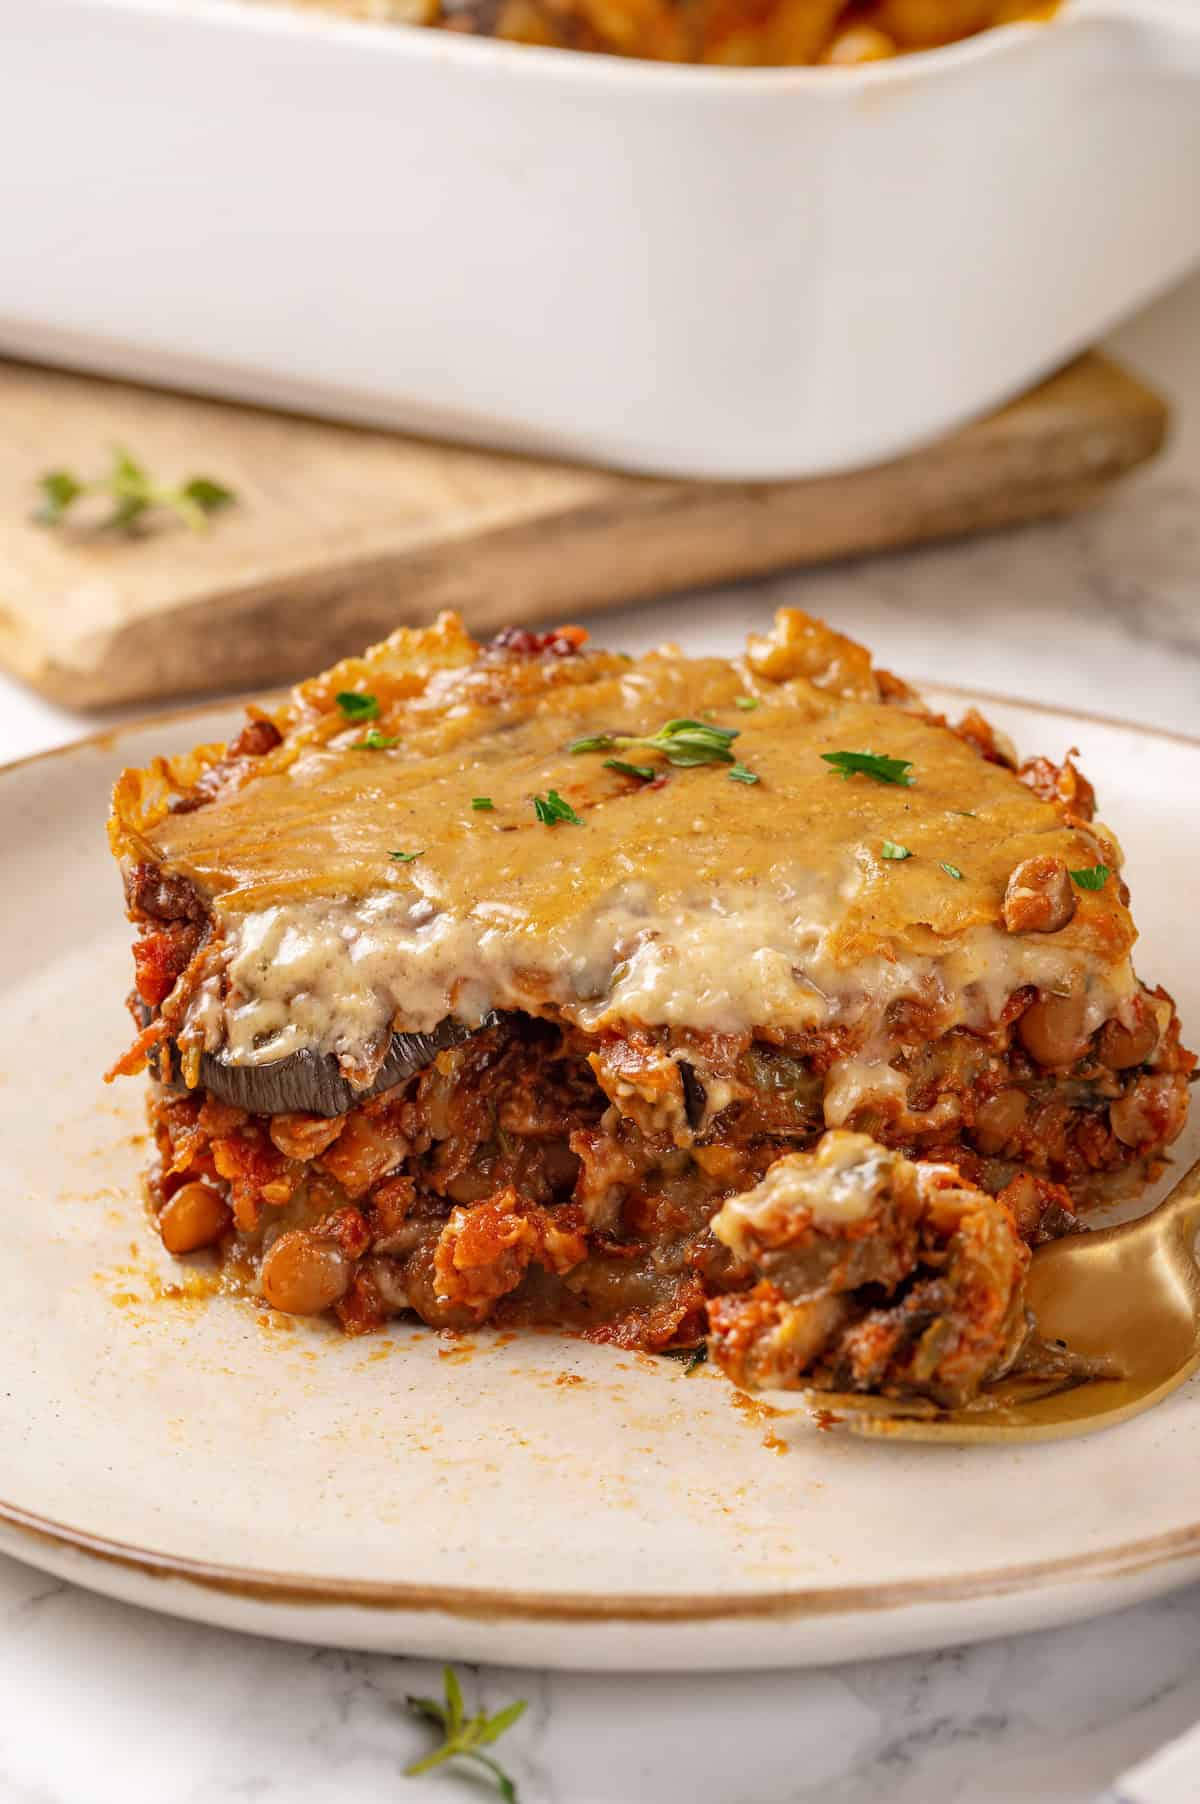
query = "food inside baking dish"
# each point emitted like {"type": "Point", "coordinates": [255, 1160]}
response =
{"type": "Point", "coordinates": [527, 983]}
{"type": "Point", "coordinates": [733, 32]}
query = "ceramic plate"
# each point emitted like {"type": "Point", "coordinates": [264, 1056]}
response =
{"type": "Point", "coordinates": [530, 1500]}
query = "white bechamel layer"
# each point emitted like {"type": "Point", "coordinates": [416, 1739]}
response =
{"type": "Point", "coordinates": [335, 976]}
{"type": "Point", "coordinates": [840, 1182]}
{"type": "Point", "coordinates": [843, 1180]}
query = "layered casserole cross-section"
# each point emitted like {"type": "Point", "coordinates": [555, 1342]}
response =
{"type": "Point", "coordinates": [529, 983]}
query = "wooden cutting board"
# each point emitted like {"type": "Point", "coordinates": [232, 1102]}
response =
{"type": "Point", "coordinates": [340, 534]}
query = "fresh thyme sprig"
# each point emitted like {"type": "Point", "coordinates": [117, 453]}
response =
{"type": "Point", "coordinates": [682, 742]}
{"type": "Point", "coordinates": [133, 493]}
{"type": "Point", "coordinates": [464, 1737]}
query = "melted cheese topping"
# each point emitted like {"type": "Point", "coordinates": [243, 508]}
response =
{"type": "Point", "coordinates": [844, 1180]}
{"type": "Point", "coordinates": [841, 1181]}
{"type": "Point", "coordinates": [695, 901]}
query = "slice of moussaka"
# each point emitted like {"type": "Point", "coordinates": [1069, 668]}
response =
{"type": "Point", "coordinates": [529, 983]}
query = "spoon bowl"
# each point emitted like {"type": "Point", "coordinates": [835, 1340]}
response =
{"type": "Point", "coordinates": [1126, 1297]}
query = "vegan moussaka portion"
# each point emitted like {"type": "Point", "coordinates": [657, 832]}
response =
{"type": "Point", "coordinates": [661, 1000]}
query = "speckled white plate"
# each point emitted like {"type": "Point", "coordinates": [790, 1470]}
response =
{"type": "Point", "coordinates": [537, 1500]}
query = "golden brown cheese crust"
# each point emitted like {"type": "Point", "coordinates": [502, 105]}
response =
{"type": "Point", "coordinates": [317, 818]}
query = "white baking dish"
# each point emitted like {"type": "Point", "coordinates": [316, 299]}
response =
{"type": "Point", "coordinates": [724, 273]}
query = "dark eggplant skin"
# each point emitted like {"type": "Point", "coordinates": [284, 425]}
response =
{"type": "Point", "coordinates": [695, 1097]}
{"type": "Point", "coordinates": [311, 1083]}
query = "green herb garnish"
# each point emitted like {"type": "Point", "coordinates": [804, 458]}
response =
{"type": "Point", "coordinates": [551, 808]}
{"type": "Point", "coordinates": [375, 741]}
{"type": "Point", "coordinates": [968, 814]}
{"type": "Point", "coordinates": [133, 493]}
{"type": "Point", "coordinates": [406, 857]}
{"type": "Point", "coordinates": [747, 702]}
{"type": "Point", "coordinates": [645, 772]}
{"type": "Point", "coordinates": [464, 1737]}
{"type": "Point", "coordinates": [682, 742]}
{"type": "Point", "coordinates": [1093, 876]}
{"type": "Point", "coordinates": [890, 849]}
{"type": "Point", "coordinates": [871, 764]}
{"type": "Point", "coordinates": [739, 774]}
{"type": "Point", "coordinates": [357, 706]}
{"type": "Point", "coordinates": [482, 804]}
{"type": "Point", "coordinates": [952, 870]}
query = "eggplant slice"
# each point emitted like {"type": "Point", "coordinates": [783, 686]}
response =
{"type": "Point", "coordinates": [311, 1083]}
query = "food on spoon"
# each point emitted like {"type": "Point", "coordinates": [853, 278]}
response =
{"type": "Point", "coordinates": [507, 1063]}
{"type": "Point", "coordinates": [873, 1274]}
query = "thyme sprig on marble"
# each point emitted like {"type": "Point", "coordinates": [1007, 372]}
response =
{"type": "Point", "coordinates": [464, 1737]}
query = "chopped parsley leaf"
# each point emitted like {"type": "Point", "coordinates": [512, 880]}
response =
{"type": "Point", "coordinates": [871, 764]}
{"type": "Point", "coordinates": [1093, 876]}
{"type": "Point", "coordinates": [356, 705]}
{"type": "Point", "coordinates": [551, 808]}
{"type": "Point", "coordinates": [890, 849]}
{"type": "Point", "coordinates": [374, 741]}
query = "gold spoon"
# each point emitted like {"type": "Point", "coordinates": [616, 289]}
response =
{"type": "Point", "coordinates": [1127, 1296]}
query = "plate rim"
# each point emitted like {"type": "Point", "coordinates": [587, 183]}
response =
{"type": "Point", "coordinates": [483, 1603]}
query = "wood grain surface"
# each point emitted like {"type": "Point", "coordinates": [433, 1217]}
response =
{"type": "Point", "coordinates": [339, 534]}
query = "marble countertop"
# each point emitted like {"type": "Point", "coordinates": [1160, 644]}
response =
{"type": "Point", "coordinates": [101, 1703]}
